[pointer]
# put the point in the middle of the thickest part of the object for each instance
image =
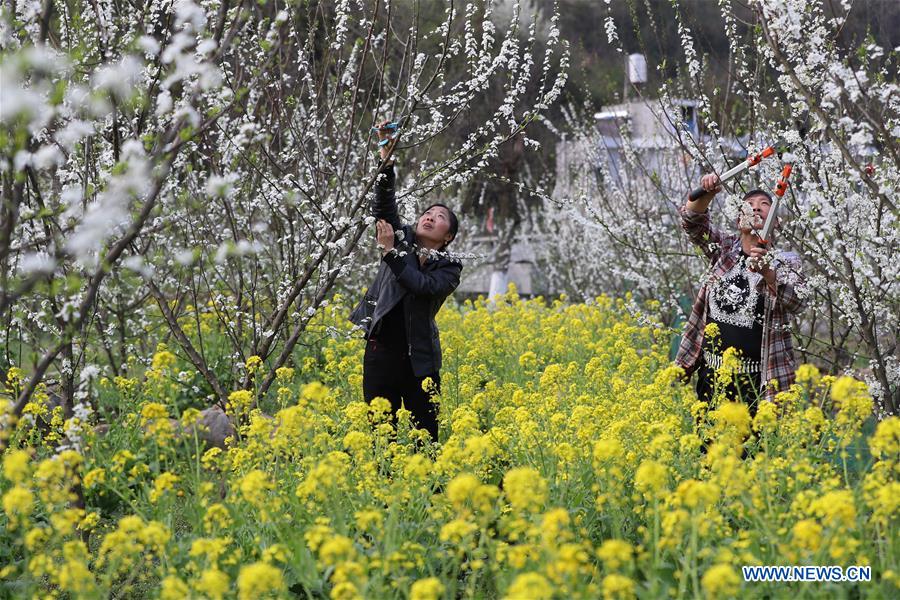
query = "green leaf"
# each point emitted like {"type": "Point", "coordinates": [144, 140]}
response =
{"type": "Point", "coordinates": [59, 92]}
{"type": "Point", "coordinates": [186, 133]}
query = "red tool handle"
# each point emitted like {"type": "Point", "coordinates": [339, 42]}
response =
{"type": "Point", "coordinates": [782, 185]}
{"type": "Point", "coordinates": [769, 151]}
{"type": "Point", "coordinates": [750, 162]}
{"type": "Point", "coordinates": [780, 188]}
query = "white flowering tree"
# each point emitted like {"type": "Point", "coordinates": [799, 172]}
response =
{"type": "Point", "coordinates": [790, 78]}
{"type": "Point", "coordinates": [186, 162]}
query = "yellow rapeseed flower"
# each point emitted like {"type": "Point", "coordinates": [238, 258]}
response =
{"type": "Point", "coordinates": [14, 376]}
{"type": "Point", "coordinates": [430, 588]}
{"type": "Point", "coordinates": [615, 553]}
{"type": "Point", "coordinates": [457, 531]}
{"type": "Point", "coordinates": [173, 588]}
{"type": "Point", "coordinates": [254, 486]}
{"type": "Point", "coordinates": [693, 493]}
{"type": "Point", "coordinates": [190, 417]}
{"type": "Point", "coordinates": [720, 581]}
{"type": "Point", "coordinates": [336, 549]}
{"type": "Point", "coordinates": [766, 416]}
{"type": "Point", "coordinates": [731, 364]}
{"type": "Point", "coordinates": [258, 580]}
{"type": "Point", "coordinates": [554, 526]}
{"type": "Point", "coordinates": [162, 359]}
{"type": "Point", "coordinates": [16, 466]}
{"type": "Point", "coordinates": [807, 535]}
{"type": "Point", "coordinates": [155, 536]}
{"type": "Point", "coordinates": [239, 402]}
{"type": "Point", "coordinates": [886, 441]}
{"type": "Point", "coordinates": [607, 449]}
{"type": "Point", "coordinates": [209, 548]}
{"type": "Point", "coordinates": [18, 503]}
{"type": "Point", "coordinates": [525, 488]}
{"type": "Point", "coordinates": [836, 508]}
{"type": "Point", "coordinates": [164, 482]}
{"type": "Point", "coordinates": [216, 517]}
{"type": "Point", "coordinates": [808, 375]}
{"type": "Point", "coordinates": [462, 488]}
{"type": "Point", "coordinates": [75, 577]}
{"type": "Point", "coordinates": [529, 586]}
{"type": "Point", "coordinates": [284, 375]}
{"type": "Point", "coordinates": [617, 587]}
{"type": "Point", "coordinates": [528, 360]}
{"type": "Point", "coordinates": [36, 538]}
{"type": "Point", "coordinates": [213, 583]}
{"type": "Point", "coordinates": [732, 420]}
{"type": "Point", "coordinates": [369, 520]}
{"type": "Point", "coordinates": [651, 479]}
{"type": "Point", "coordinates": [345, 590]}
{"type": "Point", "coordinates": [94, 477]}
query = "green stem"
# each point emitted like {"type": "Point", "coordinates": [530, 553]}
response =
{"type": "Point", "coordinates": [693, 559]}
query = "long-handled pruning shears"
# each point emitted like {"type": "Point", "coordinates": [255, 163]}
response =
{"type": "Point", "coordinates": [764, 235]}
{"type": "Point", "coordinates": [780, 148]}
{"type": "Point", "coordinates": [780, 189]}
{"type": "Point", "coordinates": [743, 166]}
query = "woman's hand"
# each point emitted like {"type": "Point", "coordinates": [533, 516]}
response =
{"type": "Point", "coordinates": [386, 133]}
{"type": "Point", "coordinates": [384, 233]}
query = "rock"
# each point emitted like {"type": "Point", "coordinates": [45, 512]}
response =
{"type": "Point", "coordinates": [214, 427]}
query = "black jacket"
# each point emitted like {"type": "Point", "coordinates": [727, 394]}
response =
{"type": "Point", "coordinates": [422, 290]}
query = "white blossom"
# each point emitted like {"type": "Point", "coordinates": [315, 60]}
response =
{"type": "Point", "coordinates": [37, 263]}
{"type": "Point", "coordinates": [121, 78]}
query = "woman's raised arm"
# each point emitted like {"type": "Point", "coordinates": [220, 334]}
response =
{"type": "Point", "coordinates": [384, 206]}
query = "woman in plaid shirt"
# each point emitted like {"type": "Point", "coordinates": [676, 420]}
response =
{"type": "Point", "coordinates": [749, 293]}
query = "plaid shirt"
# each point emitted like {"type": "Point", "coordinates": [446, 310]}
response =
{"type": "Point", "coordinates": [723, 251]}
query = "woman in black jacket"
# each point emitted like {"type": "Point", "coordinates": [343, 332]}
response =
{"type": "Point", "coordinates": [416, 275]}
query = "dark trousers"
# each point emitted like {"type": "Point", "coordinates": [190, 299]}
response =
{"type": "Point", "coordinates": [744, 387]}
{"type": "Point", "coordinates": [387, 373]}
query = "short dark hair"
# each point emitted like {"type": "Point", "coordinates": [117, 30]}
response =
{"type": "Point", "coordinates": [454, 222]}
{"type": "Point", "coordinates": [757, 192]}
